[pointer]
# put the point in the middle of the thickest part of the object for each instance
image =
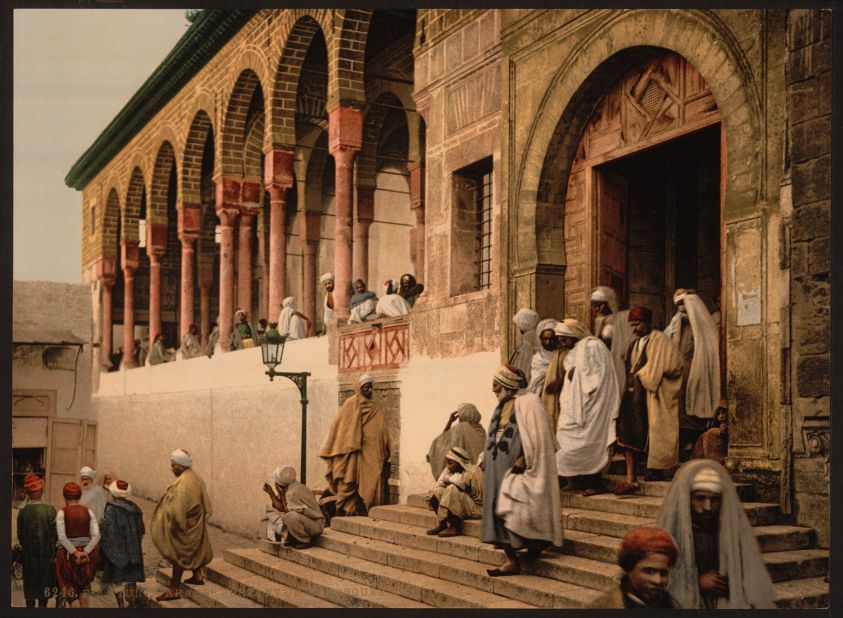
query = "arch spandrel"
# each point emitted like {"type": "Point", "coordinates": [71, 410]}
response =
{"type": "Point", "coordinates": [346, 64]}
{"type": "Point", "coordinates": [132, 205]}
{"type": "Point", "coordinates": [232, 133]}
{"type": "Point", "coordinates": [602, 59]}
{"type": "Point", "coordinates": [108, 223]}
{"type": "Point", "coordinates": [194, 149]}
{"type": "Point", "coordinates": [165, 160]}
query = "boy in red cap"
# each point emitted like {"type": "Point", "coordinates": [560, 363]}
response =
{"type": "Point", "coordinates": [646, 556]}
{"type": "Point", "coordinates": [77, 556]}
{"type": "Point", "coordinates": [37, 536]}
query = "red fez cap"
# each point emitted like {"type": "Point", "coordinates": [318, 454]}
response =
{"type": "Point", "coordinates": [122, 485]}
{"type": "Point", "coordinates": [640, 314]}
{"type": "Point", "coordinates": [71, 491]}
{"type": "Point", "coordinates": [33, 483]}
{"type": "Point", "coordinates": [639, 542]}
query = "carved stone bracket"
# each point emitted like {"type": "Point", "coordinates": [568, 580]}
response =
{"type": "Point", "coordinates": [815, 435]}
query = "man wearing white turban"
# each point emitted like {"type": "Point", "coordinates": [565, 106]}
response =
{"type": "Point", "coordinates": [93, 495]}
{"type": "Point", "coordinates": [526, 320]}
{"type": "Point", "coordinates": [720, 563]}
{"type": "Point", "coordinates": [294, 517]}
{"type": "Point", "coordinates": [588, 407]}
{"type": "Point", "coordinates": [180, 524]}
{"type": "Point", "coordinates": [357, 451]}
{"type": "Point", "coordinates": [544, 354]}
{"type": "Point", "coordinates": [243, 333]}
{"type": "Point", "coordinates": [611, 326]}
{"type": "Point", "coordinates": [327, 281]}
{"type": "Point", "coordinates": [695, 333]}
{"type": "Point", "coordinates": [291, 322]}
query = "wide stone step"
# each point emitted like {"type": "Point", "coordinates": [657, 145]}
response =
{"type": "Point", "coordinates": [527, 588]}
{"type": "Point", "coordinates": [209, 594]}
{"type": "Point", "coordinates": [770, 538]}
{"type": "Point", "coordinates": [759, 513]}
{"type": "Point", "coordinates": [153, 589]}
{"type": "Point", "coordinates": [414, 586]}
{"type": "Point", "coordinates": [658, 489]}
{"type": "Point", "coordinates": [336, 590]}
{"type": "Point", "coordinates": [262, 591]}
{"type": "Point", "coordinates": [565, 568]}
{"type": "Point", "coordinates": [802, 594]}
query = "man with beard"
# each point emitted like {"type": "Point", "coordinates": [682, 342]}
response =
{"type": "Point", "coordinates": [327, 281]}
{"type": "Point", "coordinates": [94, 496]}
{"type": "Point", "coordinates": [521, 507]}
{"type": "Point", "coordinates": [409, 289]}
{"type": "Point", "coordinates": [646, 556]}
{"type": "Point", "coordinates": [720, 563]}
{"type": "Point", "coordinates": [544, 354]}
{"type": "Point", "coordinates": [357, 451]}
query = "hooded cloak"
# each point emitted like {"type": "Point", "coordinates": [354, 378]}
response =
{"type": "Point", "coordinates": [740, 557]}
{"type": "Point", "coordinates": [526, 320]}
{"type": "Point", "coordinates": [288, 322]}
{"type": "Point", "coordinates": [541, 359]}
{"type": "Point", "coordinates": [468, 434]}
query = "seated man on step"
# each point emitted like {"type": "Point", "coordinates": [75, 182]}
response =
{"type": "Point", "coordinates": [294, 517]}
{"type": "Point", "coordinates": [457, 495]}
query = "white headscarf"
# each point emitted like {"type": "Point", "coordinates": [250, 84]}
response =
{"type": "Point", "coordinates": [571, 327]}
{"type": "Point", "coordinates": [288, 323]}
{"type": "Point", "coordinates": [541, 359]}
{"type": "Point", "coordinates": [284, 476]}
{"type": "Point", "coordinates": [326, 277]}
{"type": "Point", "coordinates": [88, 472]}
{"type": "Point", "coordinates": [703, 390]}
{"type": "Point", "coordinates": [181, 457]}
{"type": "Point", "coordinates": [366, 378]}
{"type": "Point", "coordinates": [605, 294]}
{"type": "Point", "coordinates": [750, 585]}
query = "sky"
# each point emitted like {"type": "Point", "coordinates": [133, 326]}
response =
{"type": "Point", "coordinates": [74, 70]}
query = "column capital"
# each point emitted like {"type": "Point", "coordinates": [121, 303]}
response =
{"type": "Point", "coordinates": [250, 194]}
{"type": "Point", "coordinates": [345, 129]}
{"type": "Point", "coordinates": [227, 216]}
{"type": "Point", "coordinates": [107, 270]}
{"type": "Point", "coordinates": [129, 255]}
{"type": "Point", "coordinates": [278, 169]}
{"type": "Point", "coordinates": [228, 192]}
{"type": "Point", "coordinates": [156, 238]}
{"type": "Point", "coordinates": [189, 220]}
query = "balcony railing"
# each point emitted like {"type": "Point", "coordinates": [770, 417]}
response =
{"type": "Point", "coordinates": [380, 344]}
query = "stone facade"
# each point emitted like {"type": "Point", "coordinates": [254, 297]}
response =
{"type": "Point", "coordinates": [512, 121]}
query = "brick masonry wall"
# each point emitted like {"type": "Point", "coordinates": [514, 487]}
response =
{"type": "Point", "coordinates": [808, 74]}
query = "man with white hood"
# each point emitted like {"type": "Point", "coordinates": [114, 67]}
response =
{"type": "Point", "coordinates": [546, 336]}
{"type": "Point", "coordinates": [290, 322]}
{"type": "Point", "coordinates": [611, 326]}
{"type": "Point", "coordinates": [588, 407]}
{"type": "Point", "coordinates": [720, 563]}
{"type": "Point", "coordinates": [695, 333]}
{"type": "Point", "coordinates": [93, 495]}
{"type": "Point", "coordinates": [526, 320]}
{"type": "Point", "coordinates": [391, 304]}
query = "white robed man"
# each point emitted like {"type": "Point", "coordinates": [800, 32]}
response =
{"type": "Point", "coordinates": [327, 281]}
{"type": "Point", "coordinates": [611, 326]}
{"type": "Point", "coordinates": [392, 304]}
{"type": "Point", "coordinates": [190, 346]}
{"type": "Point", "coordinates": [457, 495]}
{"type": "Point", "coordinates": [180, 524]}
{"type": "Point", "coordinates": [526, 320]}
{"type": "Point", "coordinates": [93, 495]}
{"type": "Point", "coordinates": [294, 518]}
{"type": "Point", "coordinates": [521, 508]}
{"type": "Point", "coordinates": [588, 407]}
{"type": "Point", "coordinates": [720, 563]}
{"type": "Point", "coordinates": [694, 331]}
{"type": "Point", "coordinates": [290, 322]}
{"type": "Point", "coordinates": [546, 337]}
{"type": "Point", "coordinates": [357, 451]}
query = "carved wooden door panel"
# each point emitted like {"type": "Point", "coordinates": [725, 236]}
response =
{"type": "Point", "coordinates": [612, 196]}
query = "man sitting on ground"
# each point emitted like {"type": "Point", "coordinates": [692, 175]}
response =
{"type": "Point", "coordinates": [190, 347]}
{"type": "Point", "coordinates": [457, 495]}
{"type": "Point", "coordinates": [294, 517]}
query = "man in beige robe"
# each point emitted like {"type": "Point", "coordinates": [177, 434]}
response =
{"type": "Point", "coordinates": [457, 495]}
{"type": "Point", "coordinates": [357, 451]}
{"type": "Point", "coordinates": [649, 414]}
{"type": "Point", "coordinates": [294, 518]}
{"type": "Point", "coordinates": [180, 524]}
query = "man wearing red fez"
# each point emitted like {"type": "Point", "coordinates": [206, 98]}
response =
{"type": "Point", "coordinates": [646, 556]}
{"type": "Point", "coordinates": [37, 537]}
{"type": "Point", "coordinates": [649, 416]}
{"type": "Point", "coordinates": [77, 556]}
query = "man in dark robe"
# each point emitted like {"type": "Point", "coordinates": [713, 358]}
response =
{"type": "Point", "coordinates": [122, 533]}
{"type": "Point", "coordinates": [37, 536]}
{"type": "Point", "coordinates": [409, 289]}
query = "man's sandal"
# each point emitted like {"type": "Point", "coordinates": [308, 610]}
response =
{"type": "Point", "coordinates": [168, 597]}
{"type": "Point", "coordinates": [499, 573]}
{"type": "Point", "coordinates": [593, 491]}
{"type": "Point", "coordinates": [622, 489]}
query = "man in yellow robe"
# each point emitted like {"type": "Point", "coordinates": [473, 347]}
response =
{"type": "Point", "coordinates": [357, 451]}
{"type": "Point", "coordinates": [180, 524]}
{"type": "Point", "coordinates": [649, 415]}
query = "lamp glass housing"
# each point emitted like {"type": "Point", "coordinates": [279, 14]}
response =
{"type": "Point", "coordinates": [272, 346]}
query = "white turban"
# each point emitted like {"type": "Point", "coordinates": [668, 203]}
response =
{"type": "Point", "coordinates": [290, 302]}
{"type": "Point", "coordinates": [599, 295]}
{"type": "Point", "coordinates": [707, 479]}
{"type": "Point", "coordinates": [88, 472]}
{"type": "Point", "coordinates": [115, 490]}
{"type": "Point", "coordinates": [526, 319]}
{"type": "Point", "coordinates": [326, 277]}
{"type": "Point", "coordinates": [366, 378]}
{"type": "Point", "coordinates": [680, 294]}
{"type": "Point", "coordinates": [569, 327]}
{"type": "Point", "coordinates": [181, 457]}
{"type": "Point", "coordinates": [548, 324]}
{"type": "Point", "coordinates": [284, 476]}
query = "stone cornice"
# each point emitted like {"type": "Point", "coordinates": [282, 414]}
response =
{"type": "Point", "coordinates": [211, 30]}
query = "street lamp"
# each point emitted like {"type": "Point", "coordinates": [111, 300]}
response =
{"type": "Point", "coordinates": [272, 352]}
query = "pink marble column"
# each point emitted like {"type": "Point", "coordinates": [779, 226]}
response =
{"type": "Point", "coordinates": [130, 261]}
{"type": "Point", "coordinates": [186, 302]}
{"type": "Point", "coordinates": [278, 178]}
{"type": "Point", "coordinates": [263, 282]}
{"type": "Point", "coordinates": [154, 295]}
{"type": "Point", "coordinates": [309, 234]}
{"type": "Point", "coordinates": [244, 262]}
{"type": "Point", "coordinates": [362, 223]}
{"type": "Point", "coordinates": [106, 323]}
{"type": "Point", "coordinates": [345, 131]}
{"type": "Point", "coordinates": [417, 205]}
{"type": "Point", "coordinates": [206, 281]}
{"type": "Point", "coordinates": [228, 205]}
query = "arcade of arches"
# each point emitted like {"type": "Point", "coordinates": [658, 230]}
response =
{"type": "Point", "coordinates": [642, 149]}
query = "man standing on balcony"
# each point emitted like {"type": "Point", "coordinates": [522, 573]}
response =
{"type": "Point", "coordinates": [357, 452]}
{"type": "Point", "coordinates": [327, 281]}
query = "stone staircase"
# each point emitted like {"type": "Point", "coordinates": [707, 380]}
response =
{"type": "Point", "coordinates": [387, 560]}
